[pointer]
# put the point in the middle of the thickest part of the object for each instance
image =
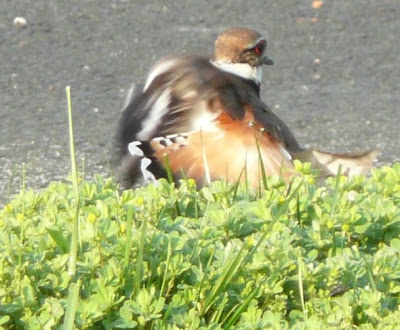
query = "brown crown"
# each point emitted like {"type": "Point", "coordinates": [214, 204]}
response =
{"type": "Point", "coordinates": [236, 45]}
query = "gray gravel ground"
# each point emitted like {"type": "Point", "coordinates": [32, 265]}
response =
{"type": "Point", "coordinates": [335, 80]}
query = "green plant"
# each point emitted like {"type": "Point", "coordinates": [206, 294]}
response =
{"type": "Point", "coordinates": [218, 257]}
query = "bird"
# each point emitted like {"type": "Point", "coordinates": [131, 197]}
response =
{"type": "Point", "coordinates": [203, 118]}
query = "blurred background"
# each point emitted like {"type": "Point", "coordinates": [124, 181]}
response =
{"type": "Point", "coordinates": [335, 80]}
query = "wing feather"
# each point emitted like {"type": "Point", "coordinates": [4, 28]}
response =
{"type": "Point", "coordinates": [209, 123]}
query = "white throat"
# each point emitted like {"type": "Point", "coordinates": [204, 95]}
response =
{"type": "Point", "coordinates": [243, 70]}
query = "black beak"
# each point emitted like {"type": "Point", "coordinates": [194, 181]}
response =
{"type": "Point", "coordinates": [266, 60]}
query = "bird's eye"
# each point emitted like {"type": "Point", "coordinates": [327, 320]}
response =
{"type": "Point", "coordinates": [260, 47]}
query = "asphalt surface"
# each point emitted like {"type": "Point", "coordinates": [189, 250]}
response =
{"type": "Point", "coordinates": [335, 80]}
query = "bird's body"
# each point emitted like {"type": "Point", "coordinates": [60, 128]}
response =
{"type": "Point", "coordinates": [205, 118]}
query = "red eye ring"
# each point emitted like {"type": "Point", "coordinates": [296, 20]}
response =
{"type": "Point", "coordinates": [260, 47]}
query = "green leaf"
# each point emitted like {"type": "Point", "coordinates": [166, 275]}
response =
{"type": "Point", "coordinates": [4, 319]}
{"type": "Point", "coordinates": [59, 238]}
{"type": "Point", "coordinates": [395, 244]}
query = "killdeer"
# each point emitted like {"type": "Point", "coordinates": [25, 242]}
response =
{"type": "Point", "coordinates": [204, 119]}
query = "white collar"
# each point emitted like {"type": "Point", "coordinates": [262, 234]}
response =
{"type": "Point", "coordinates": [243, 70]}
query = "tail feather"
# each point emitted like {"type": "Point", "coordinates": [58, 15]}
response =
{"type": "Point", "coordinates": [328, 163]}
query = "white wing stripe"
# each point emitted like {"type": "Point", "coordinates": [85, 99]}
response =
{"type": "Point", "coordinates": [158, 69]}
{"type": "Point", "coordinates": [156, 113]}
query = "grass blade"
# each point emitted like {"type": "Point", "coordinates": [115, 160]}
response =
{"type": "Point", "coordinates": [207, 177]}
{"type": "Point", "coordinates": [75, 232]}
{"type": "Point", "coordinates": [225, 278]}
{"type": "Point", "coordinates": [333, 205]}
{"type": "Point", "coordinates": [72, 303]}
{"type": "Point", "coordinates": [139, 258]}
{"type": "Point", "coordinates": [128, 242]}
{"type": "Point", "coordinates": [14, 169]}
{"type": "Point", "coordinates": [170, 176]}
{"type": "Point", "coordinates": [241, 309]}
{"type": "Point", "coordinates": [261, 162]}
{"type": "Point", "coordinates": [301, 287]}
{"type": "Point", "coordinates": [129, 279]}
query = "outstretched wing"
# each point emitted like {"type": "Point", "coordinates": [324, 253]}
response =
{"type": "Point", "coordinates": [178, 97]}
{"type": "Point", "coordinates": [206, 121]}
